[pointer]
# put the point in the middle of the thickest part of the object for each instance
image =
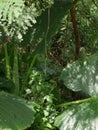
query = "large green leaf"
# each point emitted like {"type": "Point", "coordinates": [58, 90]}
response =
{"type": "Point", "coordinates": [47, 24]}
{"type": "Point", "coordinates": [79, 116]}
{"type": "Point", "coordinates": [16, 18]}
{"type": "Point", "coordinates": [57, 12]}
{"type": "Point", "coordinates": [82, 114]}
{"type": "Point", "coordinates": [82, 75]}
{"type": "Point", "coordinates": [14, 113]}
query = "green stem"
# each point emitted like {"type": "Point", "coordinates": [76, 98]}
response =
{"type": "Point", "coordinates": [26, 77]}
{"type": "Point", "coordinates": [8, 75]}
{"type": "Point", "coordinates": [46, 40]}
{"type": "Point", "coordinates": [15, 69]}
{"type": "Point", "coordinates": [76, 102]}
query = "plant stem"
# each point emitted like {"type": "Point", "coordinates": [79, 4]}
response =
{"type": "Point", "coordinates": [26, 76]}
{"type": "Point", "coordinates": [15, 69]}
{"type": "Point", "coordinates": [8, 75]}
{"type": "Point", "coordinates": [48, 25]}
{"type": "Point", "coordinates": [76, 102]}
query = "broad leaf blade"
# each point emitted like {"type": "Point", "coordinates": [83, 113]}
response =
{"type": "Point", "coordinates": [57, 12]}
{"type": "Point", "coordinates": [37, 34]}
{"type": "Point", "coordinates": [82, 76]}
{"type": "Point", "coordinates": [79, 117]}
{"type": "Point", "coordinates": [16, 18]}
{"type": "Point", "coordinates": [14, 113]}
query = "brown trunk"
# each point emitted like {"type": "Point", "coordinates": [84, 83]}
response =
{"type": "Point", "coordinates": [76, 32]}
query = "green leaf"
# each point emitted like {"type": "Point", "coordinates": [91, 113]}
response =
{"type": "Point", "coordinates": [57, 12]}
{"type": "Point", "coordinates": [16, 18]}
{"type": "Point", "coordinates": [82, 75]}
{"type": "Point", "coordinates": [47, 24]}
{"type": "Point", "coordinates": [14, 113]}
{"type": "Point", "coordinates": [79, 116]}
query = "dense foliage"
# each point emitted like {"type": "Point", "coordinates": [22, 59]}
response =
{"type": "Point", "coordinates": [48, 64]}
